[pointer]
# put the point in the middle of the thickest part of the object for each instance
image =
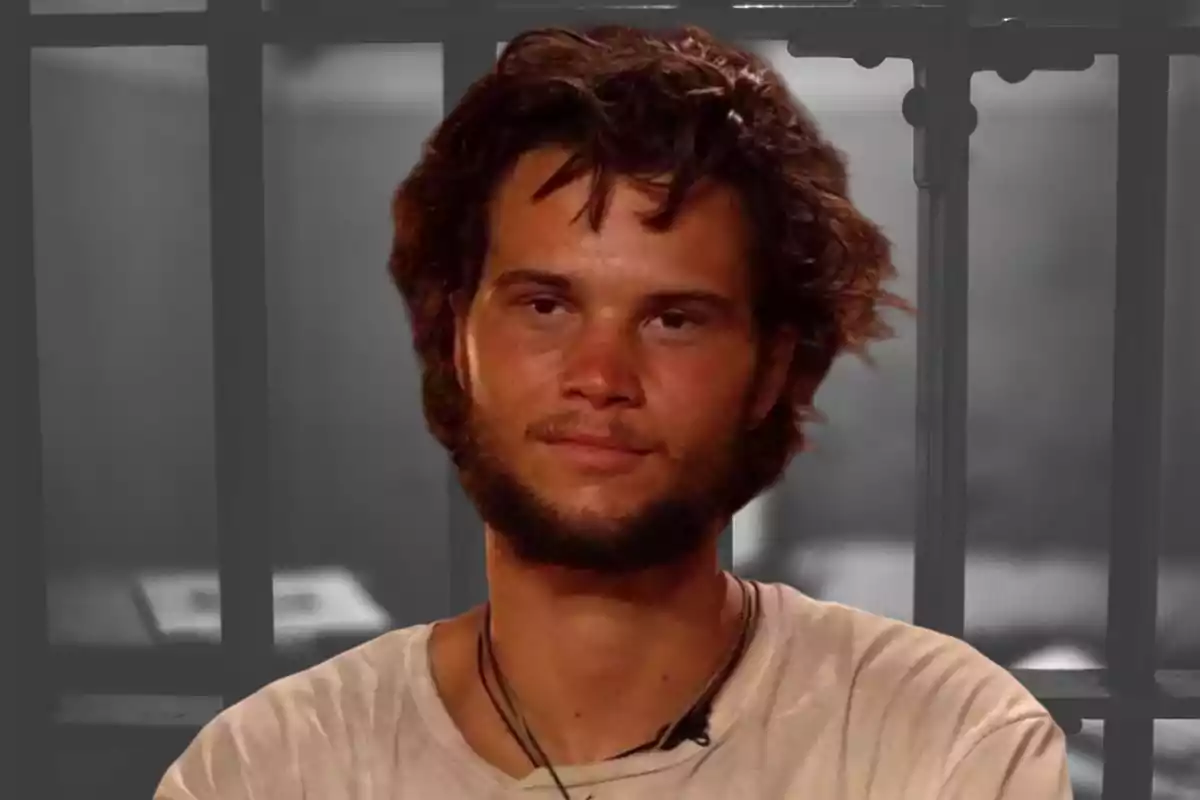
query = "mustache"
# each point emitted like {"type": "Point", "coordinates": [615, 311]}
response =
{"type": "Point", "coordinates": [571, 424]}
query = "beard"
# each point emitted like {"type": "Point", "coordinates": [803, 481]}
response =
{"type": "Point", "coordinates": [664, 531]}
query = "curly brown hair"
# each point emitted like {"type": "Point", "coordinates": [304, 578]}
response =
{"type": "Point", "coordinates": [644, 104]}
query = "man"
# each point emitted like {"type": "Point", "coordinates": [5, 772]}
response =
{"type": "Point", "coordinates": [629, 259]}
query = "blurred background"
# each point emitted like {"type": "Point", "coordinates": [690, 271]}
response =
{"type": "Point", "coordinates": [360, 493]}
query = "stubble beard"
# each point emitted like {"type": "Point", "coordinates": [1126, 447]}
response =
{"type": "Point", "coordinates": [664, 531]}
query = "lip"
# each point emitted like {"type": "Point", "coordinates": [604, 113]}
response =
{"type": "Point", "coordinates": [597, 454]}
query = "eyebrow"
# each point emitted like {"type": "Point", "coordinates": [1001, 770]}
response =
{"type": "Point", "coordinates": [517, 277]}
{"type": "Point", "coordinates": [551, 280]}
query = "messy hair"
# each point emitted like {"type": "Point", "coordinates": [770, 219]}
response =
{"type": "Point", "coordinates": [638, 104]}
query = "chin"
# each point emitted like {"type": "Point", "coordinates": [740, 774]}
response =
{"type": "Point", "coordinates": [555, 482]}
{"type": "Point", "coordinates": [614, 522]}
{"type": "Point", "coordinates": [599, 506]}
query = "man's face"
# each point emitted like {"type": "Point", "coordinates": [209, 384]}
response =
{"type": "Point", "coordinates": [610, 373]}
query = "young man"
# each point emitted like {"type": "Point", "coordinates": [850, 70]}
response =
{"type": "Point", "coordinates": [629, 259]}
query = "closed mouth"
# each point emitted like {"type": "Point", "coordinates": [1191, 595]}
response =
{"type": "Point", "coordinates": [599, 443]}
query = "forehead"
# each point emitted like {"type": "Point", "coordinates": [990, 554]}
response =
{"type": "Point", "coordinates": [708, 240]}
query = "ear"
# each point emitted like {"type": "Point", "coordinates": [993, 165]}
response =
{"type": "Point", "coordinates": [773, 373]}
{"type": "Point", "coordinates": [461, 308]}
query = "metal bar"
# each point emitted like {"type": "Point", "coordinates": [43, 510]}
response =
{"type": "Point", "coordinates": [1070, 695]}
{"type": "Point", "coordinates": [940, 106]}
{"type": "Point", "coordinates": [240, 347]}
{"type": "Point", "coordinates": [434, 24]}
{"type": "Point", "coordinates": [25, 699]}
{"type": "Point", "coordinates": [898, 32]}
{"type": "Point", "coordinates": [467, 53]}
{"type": "Point", "coordinates": [1143, 84]}
{"type": "Point", "coordinates": [337, 23]}
{"type": "Point", "coordinates": [1088, 694]}
{"type": "Point", "coordinates": [825, 30]}
{"type": "Point", "coordinates": [694, 5]}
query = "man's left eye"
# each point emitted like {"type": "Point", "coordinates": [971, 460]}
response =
{"type": "Point", "coordinates": [675, 320]}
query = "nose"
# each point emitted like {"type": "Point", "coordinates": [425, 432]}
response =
{"type": "Point", "coordinates": [601, 367]}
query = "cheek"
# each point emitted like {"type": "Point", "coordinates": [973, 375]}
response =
{"type": "Point", "coordinates": [508, 382]}
{"type": "Point", "coordinates": [701, 401]}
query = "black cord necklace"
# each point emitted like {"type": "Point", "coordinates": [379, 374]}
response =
{"type": "Point", "coordinates": [691, 726]}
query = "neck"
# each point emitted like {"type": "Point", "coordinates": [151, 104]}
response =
{"type": "Point", "coordinates": [598, 664]}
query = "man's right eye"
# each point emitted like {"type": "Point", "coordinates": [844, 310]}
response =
{"type": "Point", "coordinates": [544, 305]}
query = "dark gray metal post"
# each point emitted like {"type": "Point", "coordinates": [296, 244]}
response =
{"type": "Point", "coordinates": [1137, 403]}
{"type": "Point", "coordinates": [25, 698]}
{"type": "Point", "coordinates": [467, 53]}
{"type": "Point", "coordinates": [940, 108]}
{"type": "Point", "coordinates": [240, 345]}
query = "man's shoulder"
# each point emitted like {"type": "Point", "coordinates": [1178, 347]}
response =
{"type": "Point", "coordinates": [332, 706]}
{"type": "Point", "coordinates": [360, 676]}
{"type": "Point", "coordinates": [902, 705]}
{"type": "Point", "coordinates": [886, 667]}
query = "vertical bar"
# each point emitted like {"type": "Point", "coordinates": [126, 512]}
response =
{"type": "Point", "coordinates": [940, 161]}
{"type": "Point", "coordinates": [1137, 400]}
{"type": "Point", "coordinates": [240, 345]}
{"type": "Point", "coordinates": [25, 697]}
{"type": "Point", "coordinates": [468, 52]}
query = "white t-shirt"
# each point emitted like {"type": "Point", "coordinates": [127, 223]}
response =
{"type": "Point", "coordinates": [829, 703]}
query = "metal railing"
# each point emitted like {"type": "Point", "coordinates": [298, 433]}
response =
{"type": "Point", "coordinates": [946, 46]}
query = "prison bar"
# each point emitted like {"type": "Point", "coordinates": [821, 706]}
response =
{"type": "Point", "coordinates": [941, 134]}
{"type": "Point", "coordinates": [24, 701]}
{"type": "Point", "coordinates": [239, 309]}
{"type": "Point", "coordinates": [900, 32]}
{"type": "Point", "coordinates": [1137, 412]}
